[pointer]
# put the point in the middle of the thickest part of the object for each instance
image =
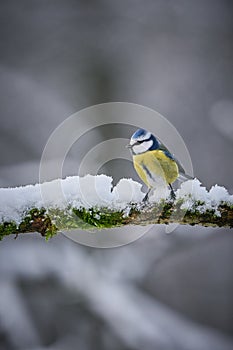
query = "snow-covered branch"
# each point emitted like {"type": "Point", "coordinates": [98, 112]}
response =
{"type": "Point", "coordinates": [92, 202]}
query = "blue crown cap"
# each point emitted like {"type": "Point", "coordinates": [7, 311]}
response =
{"type": "Point", "coordinates": [156, 144]}
{"type": "Point", "coordinates": [139, 133]}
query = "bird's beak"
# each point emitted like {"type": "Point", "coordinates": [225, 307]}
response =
{"type": "Point", "coordinates": [128, 146]}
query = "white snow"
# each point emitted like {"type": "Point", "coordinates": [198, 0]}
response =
{"type": "Point", "coordinates": [128, 191]}
{"type": "Point", "coordinates": [191, 192]}
{"type": "Point", "coordinates": [79, 192]}
{"type": "Point", "coordinates": [219, 194]}
{"type": "Point", "coordinates": [98, 191]}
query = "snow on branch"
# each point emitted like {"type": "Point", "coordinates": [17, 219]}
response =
{"type": "Point", "coordinates": [92, 202]}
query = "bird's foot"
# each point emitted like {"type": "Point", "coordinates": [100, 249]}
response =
{"type": "Point", "coordinates": [146, 198]}
{"type": "Point", "coordinates": [172, 193]}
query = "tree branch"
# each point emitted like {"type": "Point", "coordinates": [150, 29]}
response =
{"type": "Point", "coordinates": [50, 222]}
{"type": "Point", "coordinates": [213, 208]}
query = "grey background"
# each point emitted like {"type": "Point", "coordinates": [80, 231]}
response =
{"type": "Point", "coordinates": [163, 291]}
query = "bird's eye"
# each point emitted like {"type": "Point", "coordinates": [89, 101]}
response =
{"type": "Point", "coordinates": [139, 142]}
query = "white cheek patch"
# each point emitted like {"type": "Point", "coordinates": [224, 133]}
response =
{"type": "Point", "coordinates": [143, 147]}
{"type": "Point", "coordinates": [141, 138]}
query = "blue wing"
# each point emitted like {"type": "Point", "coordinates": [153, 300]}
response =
{"type": "Point", "coordinates": [182, 175]}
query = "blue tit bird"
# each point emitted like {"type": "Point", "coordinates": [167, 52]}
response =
{"type": "Point", "coordinates": [153, 162]}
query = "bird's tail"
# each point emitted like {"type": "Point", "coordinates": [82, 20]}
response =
{"type": "Point", "coordinates": [184, 177]}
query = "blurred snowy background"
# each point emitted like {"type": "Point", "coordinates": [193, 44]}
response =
{"type": "Point", "coordinates": [163, 291]}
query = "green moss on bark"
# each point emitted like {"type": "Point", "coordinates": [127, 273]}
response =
{"type": "Point", "coordinates": [103, 218]}
{"type": "Point", "coordinates": [7, 228]}
{"type": "Point", "coordinates": [36, 220]}
{"type": "Point", "coordinates": [48, 223]}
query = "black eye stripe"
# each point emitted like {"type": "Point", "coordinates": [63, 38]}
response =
{"type": "Point", "coordinates": [141, 141]}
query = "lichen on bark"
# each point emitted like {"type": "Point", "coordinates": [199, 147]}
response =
{"type": "Point", "coordinates": [49, 222]}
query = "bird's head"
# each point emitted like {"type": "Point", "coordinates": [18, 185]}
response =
{"type": "Point", "coordinates": [142, 141]}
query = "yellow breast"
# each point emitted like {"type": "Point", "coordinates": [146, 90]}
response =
{"type": "Point", "coordinates": [154, 167]}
